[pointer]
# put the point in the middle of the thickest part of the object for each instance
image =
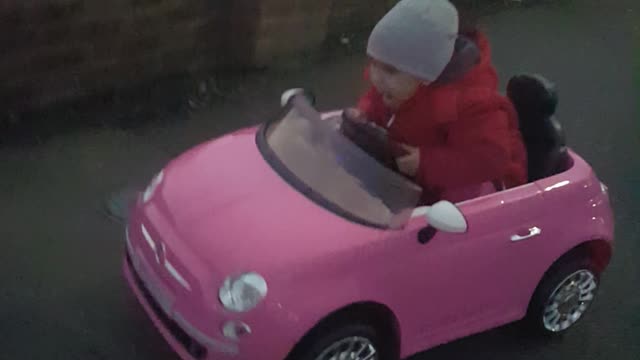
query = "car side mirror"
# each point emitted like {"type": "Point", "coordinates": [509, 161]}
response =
{"type": "Point", "coordinates": [291, 93]}
{"type": "Point", "coordinates": [446, 217]}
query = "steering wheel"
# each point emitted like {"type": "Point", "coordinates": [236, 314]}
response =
{"type": "Point", "coordinates": [372, 139]}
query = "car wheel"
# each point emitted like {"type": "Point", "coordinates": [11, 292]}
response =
{"type": "Point", "coordinates": [346, 340]}
{"type": "Point", "coordinates": [563, 297]}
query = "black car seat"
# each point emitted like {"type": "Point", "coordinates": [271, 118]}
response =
{"type": "Point", "coordinates": [536, 99]}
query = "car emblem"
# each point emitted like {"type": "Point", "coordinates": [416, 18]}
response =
{"type": "Point", "coordinates": [160, 253]}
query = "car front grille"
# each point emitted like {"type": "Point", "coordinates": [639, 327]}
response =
{"type": "Point", "coordinates": [194, 348]}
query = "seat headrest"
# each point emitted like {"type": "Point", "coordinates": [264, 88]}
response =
{"type": "Point", "coordinates": [533, 96]}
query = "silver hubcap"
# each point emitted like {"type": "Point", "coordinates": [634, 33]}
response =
{"type": "Point", "coordinates": [351, 348]}
{"type": "Point", "coordinates": [569, 301]}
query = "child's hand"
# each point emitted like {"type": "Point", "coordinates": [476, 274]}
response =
{"type": "Point", "coordinates": [355, 115]}
{"type": "Point", "coordinates": [355, 126]}
{"type": "Point", "coordinates": [408, 164]}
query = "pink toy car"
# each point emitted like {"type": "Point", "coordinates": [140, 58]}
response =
{"type": "Point", "coordinates": [289, 241]}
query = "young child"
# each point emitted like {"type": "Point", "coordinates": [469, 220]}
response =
{"type": "Point", "coordinates": [459, 134]}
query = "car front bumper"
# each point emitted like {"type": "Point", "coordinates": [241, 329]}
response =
{"type": "Point", "coordinates": [185, 340]}
{"type": "Point", "coordinates": [179, 309]}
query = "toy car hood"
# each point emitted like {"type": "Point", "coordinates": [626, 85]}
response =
{"type": "Point", "coordinates": [224, 204]}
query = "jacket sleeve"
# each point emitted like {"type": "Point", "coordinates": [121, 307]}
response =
{"type": "Point", "coordinates": [477, 147]}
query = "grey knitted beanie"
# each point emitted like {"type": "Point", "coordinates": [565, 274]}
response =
{"type": "Point", "coordinates": [416, 37]}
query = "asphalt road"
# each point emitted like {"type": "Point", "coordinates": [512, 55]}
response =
{"type": "Point", "coordinates": [63, 296]}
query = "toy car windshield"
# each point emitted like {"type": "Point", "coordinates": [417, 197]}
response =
{"type": "Point", "coordinates": [315, 157]}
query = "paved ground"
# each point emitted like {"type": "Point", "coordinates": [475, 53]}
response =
{"type": "Point", "coordinates": [62, 293]}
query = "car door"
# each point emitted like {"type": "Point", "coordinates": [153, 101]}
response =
{"type": "Point", "coordinates": [457, 284]}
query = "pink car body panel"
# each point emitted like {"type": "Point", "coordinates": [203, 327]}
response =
{"type": "Point", "coordinates": [222, 210]}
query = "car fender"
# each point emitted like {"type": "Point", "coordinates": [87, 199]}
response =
{"type": "Point", "coordinates": [318, 295]}
{"type": "Point", "coordinates": [590, 235]}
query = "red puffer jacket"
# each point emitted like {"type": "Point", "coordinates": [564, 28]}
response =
{"type": "Point", "coordinates": [466, 131]}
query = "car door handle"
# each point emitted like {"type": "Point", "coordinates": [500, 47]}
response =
{"type": "Point", "coordinates": [534, 231]}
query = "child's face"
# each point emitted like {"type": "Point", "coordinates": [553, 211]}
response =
{"type": "Point", "coordinates": [395, 86]}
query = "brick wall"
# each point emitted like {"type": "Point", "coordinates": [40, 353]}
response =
{"type": "Point", "coordinates": [289, 26]}
{"type": "Point", "coordinates": [57, 49]}
{"type": "Point", "coordinates": [61, 49]}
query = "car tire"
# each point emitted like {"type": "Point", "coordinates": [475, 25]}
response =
{"type": "Point", "coordinates": [563, 297]}
{"type": "Point", "coordinates": [334, 337]}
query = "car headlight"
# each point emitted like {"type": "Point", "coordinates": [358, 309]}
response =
{"type": "Point", "coordinates": [242, 293]}
{"type": "Point", "coordinates": [151, 189]}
